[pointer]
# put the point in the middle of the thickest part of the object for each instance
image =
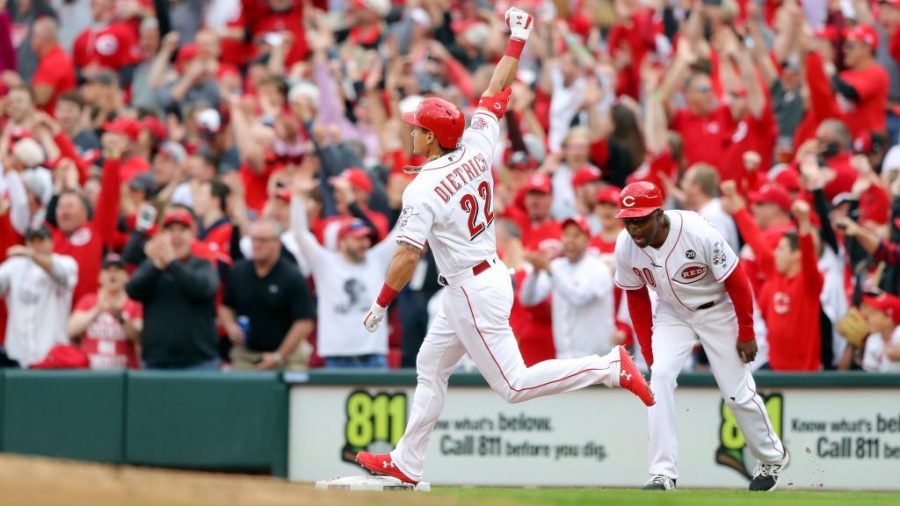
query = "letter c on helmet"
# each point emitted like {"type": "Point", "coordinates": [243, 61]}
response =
{"type": "Point", "coordinates": [628, 201]}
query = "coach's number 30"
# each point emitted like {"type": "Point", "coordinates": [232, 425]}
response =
{"type": "Point", "coordinates": [469, 204]}
{"type": "Point", "coordinates": [380, 417]}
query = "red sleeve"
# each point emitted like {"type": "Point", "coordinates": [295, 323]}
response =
{"type": "Point", "coordinates": [894, 47]}
{"type": "Point", "coordinates": [79, 50]}
{"type": "Point", "coordinates": [822, 102]}
{"type": "Point", "coordinates": [738, 287]}
{"type": "Point", "coordinates": [864, 82]}
{"type": "Point", "coordinates": [108, 203]}
{"type": "Point", "coordinates": [753, 236]}
{"type": "Point", "coordinates": [809, 261]}
{"type": "Point", "coordinates": [133, 309]}
{"type": "Point", "coordinates": [67, 148]}
{"type": "Point", "coordinates": [48, 73]}
{"type": "Point", "coordinates": [642, 320]}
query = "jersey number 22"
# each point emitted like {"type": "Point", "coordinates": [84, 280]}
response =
{"type": "Point", "coordinates": [469, 204]}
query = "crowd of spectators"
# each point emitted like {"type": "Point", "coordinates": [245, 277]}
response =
{"type": "Point", "coordinates": [212, 184]}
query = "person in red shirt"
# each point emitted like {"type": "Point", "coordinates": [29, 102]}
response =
{"type": "Point", "coordinates": [610, 226]}
{"type": "Point", "coordinates": [55, 73]}
{"type": "Point", "coordinates": [215, 228]}
{"type": "Point", "coordinates": [353, 188]}
{"type": "Point", "coordinates": [83, 239]}
{"type": "Point", "coordinates": [107, 321]}
{"type": "Point", "coordinates": [126, 132]}
{"type": "Point", "coordinates": [106, 44]}
{"type": "Point", "coordinates": [273, 17]}
{"type": "Point", "coordinates": [789, 297]}
{"type": "Point", "coordinates": [586, 183]}
{"type": "Point", "coordinates": [862, 89]}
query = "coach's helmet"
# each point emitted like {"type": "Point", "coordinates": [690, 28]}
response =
{"type": "Point", "coordinates": [441, 117]}
{"type": "Point", "coordinates": [639, 199]}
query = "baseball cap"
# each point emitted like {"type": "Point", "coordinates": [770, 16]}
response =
{"type": "Point", "coordinates": [283, 193]}
{"type": "Point", "coordinates": [187, 53]}
{"type": "Point", "coordinates": [128, 127]}
{"type": "Point", "coordinates": [353, 228]}
{"type": "Point", "coordinates": [538, 183]}
{"type": "Point", "coordinates": [521, 160]}
{"type": "Point", "coordinates": [155, 126]}
{"type": "Point", "coordinates": [886, 303]}
{"type": "Point", "coordinates": [209, 120]}
{"type": "Point", "coordinates": [609, 195]}
{"type": "Point", "coordinates": [785, 177]}
{"type": "Point", "coordinates": [827, 32]}
{"type": "Point", "coordinates": [145, 182]}
{"type": "Point", "coordinates": [173, 150]}
{"type": "Point", "coordinates": [639, 199]}
{"type": "Point", "coordinates": [39, 231]}
{"type": "Point", "coordinates": [113, 260]}
{"type": "Point", "coordinates": [585, 175]}
{"type": "Point", "coordinates": [579, 222]}
{"type": "Point", "coordinates": [29, 152]}
{"type": "Point", "coordinates": [179, 216]}
{"type": "Point", "coordinates": [358, 178]}
{"type": "Point", "coordinates": [772, 194]}
{"type": "Point", "coordinates": [863, 33]}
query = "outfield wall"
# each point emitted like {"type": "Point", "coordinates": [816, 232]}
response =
{"type": "Point", "coordinates": [843, 429]}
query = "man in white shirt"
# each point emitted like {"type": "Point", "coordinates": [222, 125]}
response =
{"type": "Point", "coordinates": [38, 286]}
{"type": "Point", "coordinates": [582, 288]}
{"type": "Point", "coordinates": [701, 194]}
{"type": "Point", "coordinates": [346, 282]}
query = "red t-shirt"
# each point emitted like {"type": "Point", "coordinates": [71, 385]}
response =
{"type": "Point", "coordinates": [749, 134]}
{"type": "Point", "coordinates": [56, 70]}
{"type": "Point", "coordinates": [113, 47]}
{"type": "Point", "coordinates": [869, 112]}
{"type": "Point", "coordinates": [256, 185]}
{"type": "Point", "coordinates": [705, 138]}
{"type": "Point", "coordinates": [532, 326]}
{"type": "Point", "coordinates": [105, 342]}
{"type": "Point", "coordinates": [260, 20]}
{"type": "Point", "coordinates": [653, 166]}
{"type": "Point", "coordinates": [132, 167]}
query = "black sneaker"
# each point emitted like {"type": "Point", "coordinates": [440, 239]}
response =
{"type": "Point", "coordinates": [659, 482]}
{"type": "Point", "coordinates": [766, 476]}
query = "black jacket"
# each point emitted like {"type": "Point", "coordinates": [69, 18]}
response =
{"type": "Point", "coordinates": [179, 312]}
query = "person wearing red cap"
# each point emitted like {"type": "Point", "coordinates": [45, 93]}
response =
{"type": "Point", "coordinates": [346, 280]}
{"type": "Point", "coordinates": [610, 226]}
{"type": "Point", "coordinates": [882, 348]}
{"type": "Point", "coordinates": [862, 89]}
{"type": "Point", "coordinates": [37, 284]}
{"type": "Point", "coordinates": [449, 206]}
{"type": "Point", "coordinates": [178, 292]}
{"type": "Point", "coordinates": [124, 132]}
{"type": "Point", "coordinates": [586, 183]}
{"type": "Point", "coordinates": [352, 189]}
{"type": "Point", "coordinates": [107, 322]}
{"type": "Point", "coordinates": [575, 161]}
{"type": "Point", "coordinates": [702, 291]}
{"type": "Point", "coordinates": [582, 294]}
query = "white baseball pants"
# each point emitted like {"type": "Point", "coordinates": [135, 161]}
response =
{"type": "Point", "coordinates": [474, 319]}
{"type": "Point", "coordinates": [675, 332]}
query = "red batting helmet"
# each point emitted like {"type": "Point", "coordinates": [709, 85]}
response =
{"type": "Point", "coordinates": [639, 199]}
{"type": "Point", "coordinates": [442, 118]}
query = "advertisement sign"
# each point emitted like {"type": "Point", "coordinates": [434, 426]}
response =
{"type": "Point", "coordinates": [598, 437]}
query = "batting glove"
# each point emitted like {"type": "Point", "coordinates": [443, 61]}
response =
{"type": "Point", "coordinates": [520, 23]}
{"type": "Point", "coordinates": [374, 316]}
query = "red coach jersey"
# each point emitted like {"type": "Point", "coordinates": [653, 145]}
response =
{"type": "Point", "coordinates": [113, 47]}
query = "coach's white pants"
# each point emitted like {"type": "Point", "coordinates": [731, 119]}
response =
{"type": "Point", "coordinates": [474, 318]}
{"type": "Point", "coordinates": [674, 336]}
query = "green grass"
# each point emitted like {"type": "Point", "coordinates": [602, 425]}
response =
{"type": "Point", "coordinates": [619, 497]}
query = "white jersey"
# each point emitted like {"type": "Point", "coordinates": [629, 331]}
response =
{"type": "Point", "coordinates": [450, 202]}
{"type": "Point", "coordinates": [687, 271]}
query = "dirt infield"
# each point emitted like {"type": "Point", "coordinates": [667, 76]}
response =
{"type": "Point", "coordinates": [33, 480]}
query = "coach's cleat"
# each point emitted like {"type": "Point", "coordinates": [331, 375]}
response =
{"type": "Point", "coordinates": [659, 482]}
{"type": "Point", "coordinates": [381, 464]}
{"type": "Point", "coordinates": [766, 476]}
{"type": "Point", "coordinates": [630, 377]}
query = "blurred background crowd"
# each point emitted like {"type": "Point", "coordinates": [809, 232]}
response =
{"type": "Point", "coordinates": [210, 184]}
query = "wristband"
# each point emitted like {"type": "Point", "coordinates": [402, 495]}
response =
{"type": "Point", "coordinates": [515, 47]}
{"type": "Point", "coordinates": [386, 296]}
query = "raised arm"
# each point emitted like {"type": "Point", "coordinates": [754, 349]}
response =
{"type": "Point", "coordinates": [520, 24]}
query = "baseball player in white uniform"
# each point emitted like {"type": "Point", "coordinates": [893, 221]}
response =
{"type": "Point", "coordinates": [702, 291]}
{"type": "Point", "coordinates": [449, 206]}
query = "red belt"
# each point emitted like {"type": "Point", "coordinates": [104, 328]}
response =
{"type": "Point", "coordinates": [480, 267]}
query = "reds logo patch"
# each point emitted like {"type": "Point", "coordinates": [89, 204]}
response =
{"type": "Point", "coordinates": [480, 124]}
{"type": "Point", "coordinates": [690, 273]}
